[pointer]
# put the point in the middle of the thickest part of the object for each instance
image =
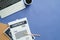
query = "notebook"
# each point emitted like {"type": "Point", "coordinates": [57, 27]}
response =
{"type": "Point", "coordinates": [2, 29]}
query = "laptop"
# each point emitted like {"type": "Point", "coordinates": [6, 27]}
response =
{"type": "Point", "coordinates": [8, 7]}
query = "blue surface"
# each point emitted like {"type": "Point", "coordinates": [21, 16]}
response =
{"type": "Point", "coordinates": [43, 17]}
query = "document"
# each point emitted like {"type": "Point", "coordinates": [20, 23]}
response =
{"type": "Point", "coordinates": [20, 29]}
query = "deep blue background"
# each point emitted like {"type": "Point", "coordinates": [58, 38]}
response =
{"type": "Point", "coordinates": [43, 17]}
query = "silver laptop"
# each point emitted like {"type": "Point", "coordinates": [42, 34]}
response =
{"type": "Point", "coordinates": [8, 7]}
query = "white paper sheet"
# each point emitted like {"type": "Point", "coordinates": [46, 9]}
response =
{"type": "Point", "coordinates": [20, 29]}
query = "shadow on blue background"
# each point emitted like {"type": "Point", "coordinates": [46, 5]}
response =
{"type": "Point", "coordinates": [43, 17]}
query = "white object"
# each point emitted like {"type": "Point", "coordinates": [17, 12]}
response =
{"type": "Point", "coordinates": [20, 29]}
{"type": "Point", "coordinates": [13, 8]}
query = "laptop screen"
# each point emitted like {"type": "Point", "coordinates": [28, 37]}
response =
{"type": "Point", "coordinates": [6, 3]}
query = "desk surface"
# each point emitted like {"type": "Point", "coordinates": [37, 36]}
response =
{"type": "Point", "coordinates": [43, 17]}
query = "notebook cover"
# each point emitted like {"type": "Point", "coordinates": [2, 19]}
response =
{"type": "Point", "coordinates": [2, 35]}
